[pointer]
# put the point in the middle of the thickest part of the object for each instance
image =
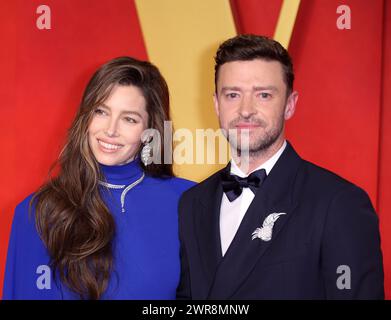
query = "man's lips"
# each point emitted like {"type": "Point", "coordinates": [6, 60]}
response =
{"type": "Point", "coordinates": [247, 125]}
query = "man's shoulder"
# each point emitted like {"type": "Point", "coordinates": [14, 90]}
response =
{"type": "Point", "coordinates": [308, 177]}
{"type": "Point", "coordinates": [326, 181]}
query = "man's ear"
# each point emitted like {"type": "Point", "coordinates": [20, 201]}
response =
{"type": "Point", "coordinates": [291, 105]}
{"type": "Point", "coordinates": [216, 103]}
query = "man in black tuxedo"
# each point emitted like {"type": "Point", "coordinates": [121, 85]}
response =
{"type": "Point", "coordinates": [272, 225]}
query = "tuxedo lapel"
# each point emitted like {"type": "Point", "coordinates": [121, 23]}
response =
{"type": "Point", "coordinates": [274, 196]}
{"type": "Point", "coordinates": [207, 226]}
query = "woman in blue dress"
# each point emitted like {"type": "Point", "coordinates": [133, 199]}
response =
{"type": "Point", "coordinates": [105, 226]}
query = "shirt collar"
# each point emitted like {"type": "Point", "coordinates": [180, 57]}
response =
{"type": "Point", "coordinates": [268, 165]}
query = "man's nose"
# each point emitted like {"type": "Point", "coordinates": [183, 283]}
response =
{"type": "Point", "coordinates": [247, 107]}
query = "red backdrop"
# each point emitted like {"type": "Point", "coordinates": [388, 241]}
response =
{"type": "Point", "coordinates": [342, 75]}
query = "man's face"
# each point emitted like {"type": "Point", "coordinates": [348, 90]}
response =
{"type": "Point", "coordinates": [251, 100]}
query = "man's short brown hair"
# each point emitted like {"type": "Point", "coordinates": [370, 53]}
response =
{"type": "Point", "coordinates": [249, 47]}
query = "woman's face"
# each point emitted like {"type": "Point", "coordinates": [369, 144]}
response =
{"type": "Point", "coordinates": [116, 126]}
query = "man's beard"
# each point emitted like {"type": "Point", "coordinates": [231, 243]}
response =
{"type": "Point", "coordinates": [244, 143]}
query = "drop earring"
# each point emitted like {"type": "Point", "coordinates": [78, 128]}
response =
{"type": "Point", "coordinates": [146, 154]}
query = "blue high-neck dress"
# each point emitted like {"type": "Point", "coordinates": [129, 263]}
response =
{"type": "Point", "coordinates": [145, 246]}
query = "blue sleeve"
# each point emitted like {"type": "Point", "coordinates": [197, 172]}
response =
{"type": "Point", "coordinates": [8, 287]}
{"type": "Point", "coordinates": [27, 272]}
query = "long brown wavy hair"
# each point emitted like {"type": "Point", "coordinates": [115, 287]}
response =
{"type": "Point", "coordinates": [70, 215]}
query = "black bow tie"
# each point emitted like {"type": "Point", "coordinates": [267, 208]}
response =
{"type": "Point", "coordinates": [233, 185]}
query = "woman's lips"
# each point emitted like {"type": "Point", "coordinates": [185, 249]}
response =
{"type": "Point", "coordinates": [109, 147]}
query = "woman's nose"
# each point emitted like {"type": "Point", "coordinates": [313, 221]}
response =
{"type": "Point", "coordinates": [112, 130]}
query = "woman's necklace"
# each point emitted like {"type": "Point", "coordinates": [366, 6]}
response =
{"type": "Point", "coordinates": [122, 186]}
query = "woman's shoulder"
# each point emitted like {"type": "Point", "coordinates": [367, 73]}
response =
{"type": "Point", "coordinates": [24, 214]}
{"type": "Point", "coordinates": [26, 201]}
{"type": "Point", "coordinates": [174, 183]}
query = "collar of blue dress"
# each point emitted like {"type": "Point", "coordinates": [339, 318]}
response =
{"type": "Point", "coordinates": [123, 174]}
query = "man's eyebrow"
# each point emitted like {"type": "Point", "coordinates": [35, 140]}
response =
{"type": "Point", "coordinates": [259, 88]}
{"type": "Point", "coordinates": [223, 89]}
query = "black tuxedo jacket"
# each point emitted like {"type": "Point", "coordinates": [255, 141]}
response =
{"type": "Point", "coordinates": [327, 246]}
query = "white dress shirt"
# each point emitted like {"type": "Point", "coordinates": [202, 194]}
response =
{"type": "Point", "coordinates": [232, 213]}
